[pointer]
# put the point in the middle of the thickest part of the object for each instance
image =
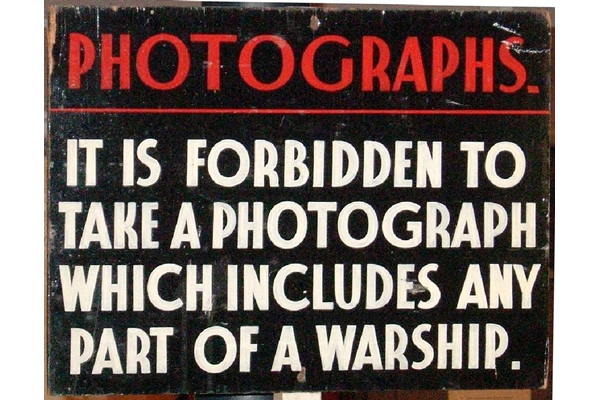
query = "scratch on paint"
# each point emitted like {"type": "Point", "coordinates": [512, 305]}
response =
{"type": "Point", "coordinates": [517, 48]}
{"type": "Point", "coordinates": [505, 28]}
{"type": "Point", "coordinates": [301, 377]}
{"type": "Point", "coordinates": [456, 103]}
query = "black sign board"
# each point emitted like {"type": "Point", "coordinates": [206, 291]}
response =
{"type": "Point", "coordinates": [297, 199]}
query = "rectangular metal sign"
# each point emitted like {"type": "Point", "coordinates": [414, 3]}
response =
{"type": "Point", "coordinates": [297, 199]}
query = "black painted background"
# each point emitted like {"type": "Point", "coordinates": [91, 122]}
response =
{"type": "Point", "coordinates": [528, 329]}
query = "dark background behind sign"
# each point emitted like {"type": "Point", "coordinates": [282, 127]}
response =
{"type": "Point", "coordinates": [527, 328]}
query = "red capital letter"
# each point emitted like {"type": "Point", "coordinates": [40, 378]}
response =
{"type": "Point", "coordinates": [411, 55]}
{"type": "Point", "coordinates": [472, 64]}
{"type": "Point", "coordinates": [107, 61]}
{"type": "Point", "coordinates": [77, 67]}
{"type": "Point", "coordinates": [370, 71]}
{"type": "Point", "coordinates": [308, 65]}
{"type": "Point", "coordinates": [213, 71]}
{"type": "Point", "coordinates": [287, 62]}
{"type": "Point", "coordinates": [513, 64]}
{"type": "Point", "coordinates": [440, 69]}
{"type": "Point", "coordinates": [143, 61]}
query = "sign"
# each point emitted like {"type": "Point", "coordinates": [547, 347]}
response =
{"type": "Point", "coordinates": [297, 199]}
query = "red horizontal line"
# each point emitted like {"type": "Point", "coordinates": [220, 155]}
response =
{"type": "Point", "coordinates": [294, 111]}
